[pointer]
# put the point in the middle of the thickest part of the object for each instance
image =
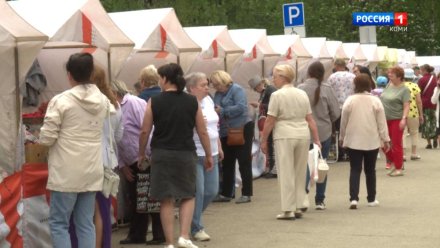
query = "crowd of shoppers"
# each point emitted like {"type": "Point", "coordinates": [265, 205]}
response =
{"type": "Point", "coordinates": [184, 134]}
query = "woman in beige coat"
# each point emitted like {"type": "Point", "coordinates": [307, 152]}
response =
{"type": "Point", "coordinates": [72, 129]}
{"type": "Point", "coordinates": [290, 118]}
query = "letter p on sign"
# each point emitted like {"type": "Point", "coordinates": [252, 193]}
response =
{"type": "Point", "coordinates": [293, 14]}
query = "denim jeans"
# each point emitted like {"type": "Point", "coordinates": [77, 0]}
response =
{"type": "Point", "coordinates": [320, 187]}
{"type": "Point", "coordinates": [207, 187]}
{"type": "Point", "coordinates": [82, 207]}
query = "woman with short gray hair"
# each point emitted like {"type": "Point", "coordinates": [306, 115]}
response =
{"type": "Point", "coordinates": [207, 181]}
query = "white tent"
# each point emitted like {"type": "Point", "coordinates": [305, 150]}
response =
{"type": "Point", "coordinates": [159, 39]}
{"type": "Point", "coordinates": [317, 47]}
{"type": "Point", "coordinates": [19, 46]}
{"type": "Point", "coordinates": [401, 59]}
{"type": "Point", "coordinates": [410, 58]}
{"type": "Point", "coordinates": [336, 50]}
{"type": "Point", "coordinates": [372, 54]}
{"type": "Point", "coordinates": [73, 26]}
{"type": "Point", "coordinates": [354, 52]}
{"type": "Point", "coordinates": [292, 51]}
{"type": "Point", "coordinates": [259, 58]}
{"type": "Point", "coordinates": [219, 51]}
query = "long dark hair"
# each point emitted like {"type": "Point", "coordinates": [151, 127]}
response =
{"type": "Point", "coordinates": [174, 74]}
{"type": "Point", "coordinates": [316, 70]}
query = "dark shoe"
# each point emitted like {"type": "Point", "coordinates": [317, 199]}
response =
{"type": "Point", "coordinates": [429, 146]}
{"type": "Point", "coordinates": [270, 175]}
{"type": "Point", "coordinates": [303, 210]}
{"type": "Point", "coordinates": [131, 241]}
{"type": "Point", "coordinates": [156, 242]}
{"type": "Point", "coordinates": [298, 214]}
{"type": "Point", "coordinates": [220, 198]}
{"type": "Point", "coordinates": [415, 157]}
{"type": "Point", "coordinates": [243, 199]}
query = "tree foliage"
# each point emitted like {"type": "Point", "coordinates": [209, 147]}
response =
{"type": "Point", "coordinates": [324, 18]}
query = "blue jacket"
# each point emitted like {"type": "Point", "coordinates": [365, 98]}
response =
{"type": "Point", "coordinates": [234, 108]}
{"type": "Point", "coordinates": [149, 92]}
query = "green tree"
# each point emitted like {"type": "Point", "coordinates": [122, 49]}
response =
{"type": "Point", "coordinates": [330, 18]}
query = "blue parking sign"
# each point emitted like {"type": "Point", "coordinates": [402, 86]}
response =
{"type": "Point", "coordinates": [293, 14]}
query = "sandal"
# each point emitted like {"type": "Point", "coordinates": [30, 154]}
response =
{"type": "Point", "coordinates": [415, 157]}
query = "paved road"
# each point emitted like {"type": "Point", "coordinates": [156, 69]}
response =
{"type": "Point", "coordinates": [408, 215]}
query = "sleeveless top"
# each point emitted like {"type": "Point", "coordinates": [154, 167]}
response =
{"type": "Point", "coordinates": [174, 117]}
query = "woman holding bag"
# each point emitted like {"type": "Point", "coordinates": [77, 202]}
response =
{"type": "Point", "coordinates": [325, 109]}
{"type": "Point", "coordinates": [231, 105]}
{"type": "Point", "coordinates": [427, 85]}
{"type": "Point", "coordinates": [290, 117]}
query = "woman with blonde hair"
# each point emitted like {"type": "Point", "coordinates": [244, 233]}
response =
{"type": "Point", "coordinates": [290, 118]}
{"type": "Point", "coordinates": [149, 79]}
{"type": "Point", "coordinates": [231, 105]}
{"type": "Point", "coordinates": [113, 127]}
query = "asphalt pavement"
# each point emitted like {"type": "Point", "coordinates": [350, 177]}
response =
{"type": "Point", "coordinates": [408, 214]}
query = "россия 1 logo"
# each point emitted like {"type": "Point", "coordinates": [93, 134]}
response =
{"type": "Point", "coordinates": [398, 21]}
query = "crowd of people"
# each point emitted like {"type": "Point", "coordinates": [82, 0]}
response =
{"type": "Point", "coordinates": [188, 142]}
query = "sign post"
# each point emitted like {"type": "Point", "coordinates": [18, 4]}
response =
{"type": "Point", "coordinates": [293, 16]}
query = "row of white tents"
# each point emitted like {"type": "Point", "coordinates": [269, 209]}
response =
{"type": "Point", "coordinates": [125, 42]}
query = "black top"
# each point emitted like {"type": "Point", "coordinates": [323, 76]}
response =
{"type": "Point", "coordinates": [264, 99]}
{"type": "Point", "coordinates": [174, 118]}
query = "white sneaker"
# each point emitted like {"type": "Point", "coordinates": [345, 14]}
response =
{"type": "Point", "coordinates": [374, 203]}
{"type": "Point", "coordinates": [185, 243]}
{"type": "Point", "coordinates": [353, 204]}
{"type": "Point", "coordinates": [201, 236]}
{"type": "Point", "coordinates": [169, 246]}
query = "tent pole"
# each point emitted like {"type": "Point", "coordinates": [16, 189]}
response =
{"type": "Point", "coordinates": [226, 63]}
{"type": "Point", "coordinates": [262, 66]}
{"type": "Point", "coordinates": [109, 67]}
{"type": "Point", "coordinates": [296, 70]}
{"type": "Point", "coordinates": [17, 88]}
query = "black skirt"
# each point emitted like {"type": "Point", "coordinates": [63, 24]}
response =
{"type": "Point", "coordinates": [173, 174]}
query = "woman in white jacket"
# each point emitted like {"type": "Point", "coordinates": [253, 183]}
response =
{"type": "Point", "coordinates": [72, 129]}
{"type": "Point", "coordinates": [435, 99]}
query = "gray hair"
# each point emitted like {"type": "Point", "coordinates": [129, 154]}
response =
{"type": "Point", "coordinates": [119, 87]}
{"type": "Point", "coordinates": [193, 78]}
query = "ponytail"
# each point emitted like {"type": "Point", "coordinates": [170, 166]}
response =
{"type": "Point", "coordinates": [316, 70]}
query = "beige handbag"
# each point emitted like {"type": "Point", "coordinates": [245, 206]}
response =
{"type": "Point", "coordinates": [322, 168]}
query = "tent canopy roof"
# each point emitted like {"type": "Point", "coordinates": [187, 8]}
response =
{"type": "Point", "coordinates": [353, 50]}
{"type": "Point", "coordinates": [204, 36]}
{"type": "Point", "coordinates": [158, 27]}
{"type": "Point", "coordinates": [83, 21]}
{"type": "Point", "coordinates": [336, 50]}
{"type": "Point", "coordinates": [317, 47]}
{"type": "Point", "coordinates": [371, 52]}
{"type": "Point", "coordinates": [16, 26]}
{"type": "Point", "coordinates": [282, 43]}
{"type": "Point", "coordinates": [248, 39]}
